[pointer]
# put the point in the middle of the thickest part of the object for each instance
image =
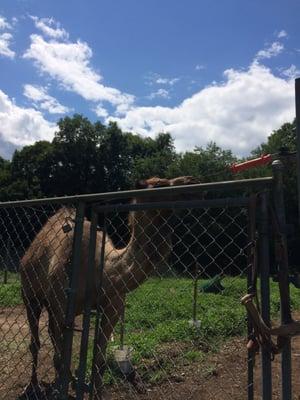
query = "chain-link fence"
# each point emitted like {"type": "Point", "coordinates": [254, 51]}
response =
{"type": "Point", "coordinates": [31, 246]}
{"type": "Point", "coordinates": [184, 270]}
{"type": "Point", "coordinates": [154, 284]}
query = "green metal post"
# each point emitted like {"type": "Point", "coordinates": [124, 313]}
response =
{"type": "Point", "coordinates": [286, 318]}
{"type": "Point", "coordinates": [71, 298]}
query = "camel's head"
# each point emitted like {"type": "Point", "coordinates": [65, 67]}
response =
{"type": "Point", "coordinates": [158, 217]}
{"type": "Point", "coordinates": [162, 182]}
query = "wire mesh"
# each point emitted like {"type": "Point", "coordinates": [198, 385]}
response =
{"type": "Point", "coordinates": [32, 242]}
{"type": "Point", "coordinates": [181, 275]}
{"type": "Point", "coordinates": [174, 277]}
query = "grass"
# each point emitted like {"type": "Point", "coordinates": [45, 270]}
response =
{"type": "Point", "coordinates": [157, 316]}
{"type": "Point", "coordinates": [157, 323]}
{"type": "Point", "coordinates": [10, 292]}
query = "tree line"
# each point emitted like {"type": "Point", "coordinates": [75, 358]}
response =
{"type": "Point", "coordinates": [86, 157]}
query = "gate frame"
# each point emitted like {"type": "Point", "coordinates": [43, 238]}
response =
{"type": "Point", "coordinates": [231, 202]}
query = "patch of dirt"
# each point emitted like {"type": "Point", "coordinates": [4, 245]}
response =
{"type": "Point", "coordinates": [220, 376]}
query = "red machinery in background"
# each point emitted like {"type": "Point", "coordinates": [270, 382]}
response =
{"type": "Point", "coordinates": [260, 161]}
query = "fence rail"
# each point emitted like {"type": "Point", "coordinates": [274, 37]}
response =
{"type": "Point", "coordinates": [255, 183]}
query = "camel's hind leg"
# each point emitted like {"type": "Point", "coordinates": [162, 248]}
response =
{"type": "Point", "coordinates": [33, 310]}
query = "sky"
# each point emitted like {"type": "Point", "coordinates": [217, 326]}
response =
{"type": "Point", "coordinates": [204, 71]}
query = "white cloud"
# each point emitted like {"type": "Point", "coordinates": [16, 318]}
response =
{"type": "Point", "coordinates": [292, 72]}
{"type": "Point", "coordinates": [100, 111]}
{"type": "Point", "coordinates": [4, 24]}
{"type": "Point", "coordinates": [50, 27]}
{"type": "Point", "coordinates": [5, 39]}
{"type": "Point", "coordinates": [282, 34]}
{"type": "Point", "coordinates": [160, 93]}
{"type": "Point", "coordinates": [167, 81]}
{"type": "Point", "coordinates": [271, 51]}
{"type": "Point", "coordinates": [69, 64]}
{"type": "Point", "coordinates": [22, 126]}
{"type": "Point", "coordinates": [238, 113]}
{"type": "Point", "coordinates": [199, 67]}
{"type": "Point", "coordinates": [156, 79]}
{"type": "Point", "coordinates": [41, 99]}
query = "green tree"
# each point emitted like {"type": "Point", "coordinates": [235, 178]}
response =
{"type": "Point", "coordinates": [76, 160]}
{"type": "Point", "coordinates": [29, 170]}
{"type": "Point", "coordinates": [5, 178]}
{"type": "Point", "coordinates": [283, 138]}
{"type": "Point", "coordinates": [152, 157]}
{"type": "Point", "coordinates": [209, 164]}
{"type": "Point", "coordinates": [280, 141]}
{"type": "Point", "coordinates": [116, 157]}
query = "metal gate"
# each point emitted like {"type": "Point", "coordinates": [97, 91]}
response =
{"type": "Point", "coordinates": [159, 303]}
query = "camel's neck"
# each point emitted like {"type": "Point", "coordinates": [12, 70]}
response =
{"type": "Point", "coordinates": [150, 242]}
{"type": "Point", "coordinates": [149, 247]}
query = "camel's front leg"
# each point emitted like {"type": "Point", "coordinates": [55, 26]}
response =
{"type": "Point", "coordinates": [33, 309]}
{"type": "Point", "coordinates": [110, 316]}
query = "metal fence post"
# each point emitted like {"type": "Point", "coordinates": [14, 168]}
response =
{"type": "Point", "coordinates": [122, 329]}
{"type": "Point", "coordinates": [99, 308]}
{"type": "Point", "coordinates": [7, 258]}
{"type": "Point", "coordinates": [265, 292]}
{"type": "Point", "coordinates": [297, 103]}
{"type": "Point", "coordinates": [81, 386]}
{"type": "Point", "coordinates": [250, 357]}
{"type": "Point", "coordinates": [286, 368]}
{"type": "Point", "coordinates": [195, 297]}
{"type": "Point", "coordinates": [71, 297]}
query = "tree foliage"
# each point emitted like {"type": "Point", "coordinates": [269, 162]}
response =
{"type": "Point", "coordinates": [208, 164]}
{"type": "Point", "coordinates": [86, 157]}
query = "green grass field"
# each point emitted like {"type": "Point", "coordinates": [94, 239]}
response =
{"type": "Point", "coordinates": [157, 322]}
{"type": "Point", "coordinates": [157, 316]}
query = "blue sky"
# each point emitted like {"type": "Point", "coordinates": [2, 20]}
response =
{"type": "Point", "coordinates": [202, 70]}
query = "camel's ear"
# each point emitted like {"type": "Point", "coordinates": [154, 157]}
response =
{"type": "Point", "coordinates": [141, 184]}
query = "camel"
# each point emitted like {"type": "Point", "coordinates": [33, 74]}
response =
{"type": "Point", "coordinates": [45, 264]}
